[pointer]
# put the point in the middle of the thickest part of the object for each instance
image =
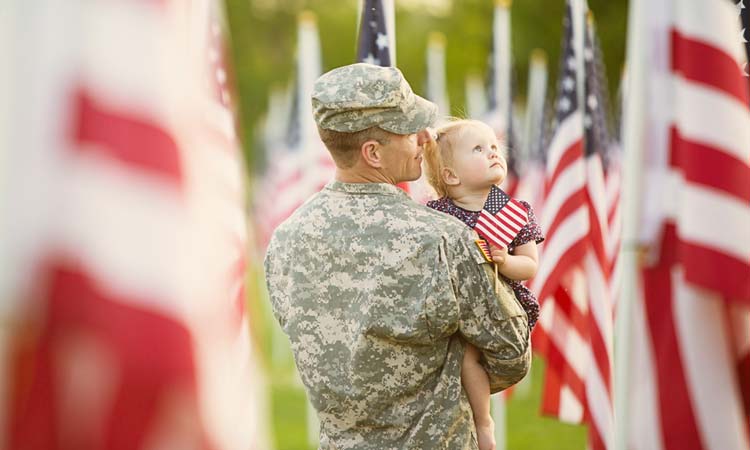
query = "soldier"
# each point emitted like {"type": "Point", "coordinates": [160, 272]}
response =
{"type": "Point", "coordinates": [378, 294]}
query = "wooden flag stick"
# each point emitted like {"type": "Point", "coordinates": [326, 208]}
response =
{"type": "Point", "coordinates": [497, 289]}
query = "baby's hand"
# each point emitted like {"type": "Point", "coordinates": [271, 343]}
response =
{"type": "Point", "coordinates": [498, 254]}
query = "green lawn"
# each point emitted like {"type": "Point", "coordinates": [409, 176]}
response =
{"type": "Point", "coordinates": [527, 429]}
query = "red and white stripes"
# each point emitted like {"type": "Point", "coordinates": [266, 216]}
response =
{"type": "Point", "coordinates": [596, 265]}
{"type": "Point", "coordinates": [134, 292]}
{"type": "Point", "coordinates": [613, 191]}
{"type": "Point", "coordinates": [502, 227]}
{"type": "Point", "coordinates": [565, 215]}
{"type": "Point", "coordinates": [574, 277]}
{"type": "Point", "coordinates": [690, 329]}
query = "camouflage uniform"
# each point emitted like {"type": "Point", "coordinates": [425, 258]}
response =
{"type": "Point", "coordinates": [377, 295]}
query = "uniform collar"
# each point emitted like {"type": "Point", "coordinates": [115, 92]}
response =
{"type": "Point", "coordinates": [366, 188]}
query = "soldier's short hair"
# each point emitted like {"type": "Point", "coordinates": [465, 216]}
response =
{"type": "Point", "coordinates": [344, 147]}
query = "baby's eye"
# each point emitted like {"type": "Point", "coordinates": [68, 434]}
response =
{"type": "Point", "coordinates": [494, 148]}
{"type": "Point", "coordinates": [477, 149]}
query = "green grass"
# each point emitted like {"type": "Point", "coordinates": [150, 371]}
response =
{"type": "Point", "coordinates": [527, 429]}
{"type": "Point", "coordinates": [289, 422]}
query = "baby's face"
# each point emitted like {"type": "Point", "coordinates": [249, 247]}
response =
{"type": "Point", "coordinates": [477, 157]}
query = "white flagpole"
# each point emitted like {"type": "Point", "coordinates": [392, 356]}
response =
{"type": "Point", "coordinates": [499, 416]}
{"type": "Point", "coordinates": [274, 123]}
{"type": "Point", "coordinates": [633, 142]}
{"type": "Point", "coordinates": [501, 62]}
{"type": "Point", "coordinates": [535, 100]}
{"type": "Point", "coordinates": [436, 90]}
{"type": "Point", "coordinates": [313, 426]}
{"type": "Point", "coordinates": [9, 14]}
{"type": "Point", "coordinates": [389, 9]}
{"type": "Point", "coordinates": [501, 82]}
{"type": "Point", "coordinates": [476, 97]}
{"type": "Point", "coordinates": [308, 70]}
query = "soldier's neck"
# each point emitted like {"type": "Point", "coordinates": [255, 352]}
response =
{"type": "Point", "coordinates": [358, 175]}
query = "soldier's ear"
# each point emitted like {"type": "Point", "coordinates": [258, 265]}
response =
{"type": "Point", "coordinates": [372, 154]}
{"type": "Point", "coordinates": [449, 177]}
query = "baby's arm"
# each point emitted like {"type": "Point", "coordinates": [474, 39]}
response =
{"type": "Point", "coordinates": [521, 265]}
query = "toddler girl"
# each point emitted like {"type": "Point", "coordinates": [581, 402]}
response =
{"type": "Point", "coordinates": [464, 165]}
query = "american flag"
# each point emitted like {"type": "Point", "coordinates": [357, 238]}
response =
{"type": "Point", "coordinates": [597, 263]}
{"type": "Point", "coordinates": [690, 335]}
{"type": "Point", "coordinates": [574, 383]}
{"type": "Point", "coordinates": [501, 218]}
{"type": "Point", "coordinates": [565, 215]}
{"type": "Point", "coordinates": [374, 45]}
{"type": "Point", "coordinates": [129, 232]}
{"type": "Point", "coordinates": [609, 143]}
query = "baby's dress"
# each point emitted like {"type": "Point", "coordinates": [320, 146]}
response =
{"type": "Point", "coordinates": [530, 232]}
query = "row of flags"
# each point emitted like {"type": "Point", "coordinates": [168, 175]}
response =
{"type": "Point", "coordinates": [298, 164]}
{"type": "Point", "coordinates": [124, 236]}
{"type": "Point", "coordinates": [124, 228]}
{"type": "Point", "coordinates": [686, 111]}
{"type": "Point", "coordinates": [576, 319]}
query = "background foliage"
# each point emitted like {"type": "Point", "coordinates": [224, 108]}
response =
{"type": "Point", "coordinates": [264, 40]}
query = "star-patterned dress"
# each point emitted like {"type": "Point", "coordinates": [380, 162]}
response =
{"type": "Point", "coordinates": [530, 232]}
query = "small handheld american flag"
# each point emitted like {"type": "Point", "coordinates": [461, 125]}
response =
{"type": "Point", "coordinates": [501, 218]}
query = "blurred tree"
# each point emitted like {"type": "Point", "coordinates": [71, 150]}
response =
{"type": "Point", "coordinates": [263, 40]}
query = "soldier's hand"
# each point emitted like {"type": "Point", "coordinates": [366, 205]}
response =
{"type": "Point", "coordinates": [498, 254]}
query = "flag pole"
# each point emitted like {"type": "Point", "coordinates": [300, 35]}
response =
{"type": "Point", "coordinates": [436, 91]}
{"type": "Point", "coordinates": [497, 276]}
{"type": "Point", "coordinates": [476, 100]}
{"type": "Point", "coordinates": [389, 10]}
{"type": "Point", "coordinates": [535, 101]}
{"type": "Point", "coordinates": [501, 62]}
{"type": "Point", "coordinates": [308, 70]}
{"type": "Point", "coordinates": [501, 47]}
{"type": "Point", "coordinates": [633, 141]}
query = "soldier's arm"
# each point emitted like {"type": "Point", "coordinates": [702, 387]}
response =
{"type": "Point", "coordinates": [495, 323]}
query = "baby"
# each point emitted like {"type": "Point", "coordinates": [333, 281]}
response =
{"type": "Point", "coordinates": [464, 165]}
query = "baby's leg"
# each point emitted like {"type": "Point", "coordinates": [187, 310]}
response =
{"type": "Point", "coordinates": [477, 386]}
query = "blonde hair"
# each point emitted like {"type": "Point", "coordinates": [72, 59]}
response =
{"type": "Point", "coordinates": [438, 155]}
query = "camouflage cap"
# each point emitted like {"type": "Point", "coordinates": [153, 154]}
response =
{"type": "Point", "coordinates": [359, 96]}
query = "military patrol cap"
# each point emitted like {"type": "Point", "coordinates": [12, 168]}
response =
{"type": "Point", "coordinates": [359, 96]}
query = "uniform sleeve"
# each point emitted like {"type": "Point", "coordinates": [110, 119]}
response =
{"type": "Point", "coordinates": [276, 275]}
{"type": "Point", "coordinates": [496, 324]}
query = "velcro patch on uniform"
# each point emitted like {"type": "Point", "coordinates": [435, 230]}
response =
{"type": "Point", "coordinates": [484, 247]}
